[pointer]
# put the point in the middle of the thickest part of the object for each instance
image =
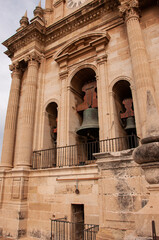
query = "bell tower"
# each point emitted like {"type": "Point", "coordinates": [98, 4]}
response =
{"type": "Point", "coordinates": [81, 70]}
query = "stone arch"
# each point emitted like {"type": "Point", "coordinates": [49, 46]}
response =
{"type": "Point", "coordinates": [49, 101]}
{"type": "Point", "coordinates": [81, 76]}
{"type": "Point", "coordinates": [124, 109]}
{"type": "Point", "coordinates": [117, 79]}
{"type": "Point", "coordinates": [50, 124]}
{"type": "Point", "coordinates": [82, 66]}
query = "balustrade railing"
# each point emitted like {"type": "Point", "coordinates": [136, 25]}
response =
{"type": "Point", "coordinates": [80, 154]}
{"type": "Point", "coordinates": [62, 229]}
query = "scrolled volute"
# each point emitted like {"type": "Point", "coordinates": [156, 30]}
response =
{"type": "Point", "coordinates": [129, 9]}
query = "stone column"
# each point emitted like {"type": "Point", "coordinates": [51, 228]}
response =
{"type": "Point", "coordinates": [11, 119]}
{"type": "Point", "coordinates": [26, 115]}
{"type": "Point", "coordinates": [140, 64]}
{"type": "Point", "coordinates": [62, 119]}
{"type": "Point", "coordinates": [103, 98]}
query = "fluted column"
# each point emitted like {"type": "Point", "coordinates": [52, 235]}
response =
{"type": "Point", "coordinates": [140, 64]}
{"type": "Point", "coordinates": [11, 119]}
{"type": "Point", "coordinates": [24, 139]}
{"type": "Point", "coordinates": [103, 98]}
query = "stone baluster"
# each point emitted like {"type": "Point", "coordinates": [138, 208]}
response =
{"type": "Point", "coordinates": [11, 119]}
{"type": "Point", "coordinates": [103, 98]}
{"type": "Point", "coordinates": [26, 115]}
{"type": "Point", "coordinates": [140, 64]}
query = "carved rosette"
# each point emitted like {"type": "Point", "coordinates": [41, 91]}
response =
{"type": "Point", "coordinates": [130, 9]}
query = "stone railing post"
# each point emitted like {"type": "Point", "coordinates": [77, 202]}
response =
{"type": "Point", "coordinates": [140, 64]}
{"type": "Point", "coordinates": [11, 119]}
{"type": "Point", "coordinates": [24, 139]}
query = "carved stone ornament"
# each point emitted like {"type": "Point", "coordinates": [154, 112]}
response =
{"type": "Point", "coordinates": [32, 57]}
{"type": "Point", "coordinates": [102, 59]}
{"type": "Point", "coordinates": [129, 9]}
{"type": "Point", "coordinates": [24, 21]}
{"type": "Point", "coordinates": [35, 31]}
{"type": "Point", "coordinates": [14, 66]}
{"type": "Point", "coordinates": [38, 12]}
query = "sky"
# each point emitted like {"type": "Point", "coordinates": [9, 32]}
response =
{"type": "Point", "coordinates": [11, 13]}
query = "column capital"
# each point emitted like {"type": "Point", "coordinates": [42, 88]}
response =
{"type": "Point", "coordinates": [16, 69]}
{"type": "Point", "coordinates": [14, 66]}
{"type": "Point", "coordinates": [101, 59]}
{"type": "Point", "coordinates": [63, 75]}
{"type": "Point", "coordinates": [32, 58]}
{"type": "Point", "coordinates": [130, 9]}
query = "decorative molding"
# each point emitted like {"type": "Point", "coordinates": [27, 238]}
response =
{"type": "Point", "coordinates": [16, 188]}
{"type": "Point", "coordinates": [33, 57]}
{"type": "Point", "coordinates": [91, 42]}
{"type": "Point", "coordinates": [101, 59]}
{"type": "Point", "coordinates": [89, 13]}
{"type": "Point", "coordinates": [14, 66]}
{"type": "Point", "coordinates": [33, 32]}
{"type": "Point", "coordinates": [63, 75]}
{"type": "Point", "coordinates": [37, 32]}
{"type": "Point", "coordinates": [130, 9]}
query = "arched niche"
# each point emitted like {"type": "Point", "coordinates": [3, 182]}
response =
{"type": "Point", "coordinates": [122, 92]}
{"type": "Point", "coordinates": [50, 125]}
{"type": "Point", "coordinates": [82, 77]}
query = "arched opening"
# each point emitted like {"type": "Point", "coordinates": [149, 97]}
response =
{"type": "Point", "coordinates": [84, 124]}
{"type": "Point", "coordinates": [50, 126]}
{"type": "Point", "coordinates": [124, 116]}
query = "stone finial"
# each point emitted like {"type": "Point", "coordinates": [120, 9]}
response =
{"type": "Point", "coordinates": [39, 5]}
{"type": "Point", "coordinates": [24, 20]}
{"type": "Point", "coordinates": [129, 9]}
{"type": "Point", "coordinates": [38, 12]}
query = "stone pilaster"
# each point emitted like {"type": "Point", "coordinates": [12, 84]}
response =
{"type": "Point", "coordinates": [11, 119]}
{"type": "Point", "coordinates": [62, 119]}
{"type": "Point", "coordinates": [140, 64]}
{"type": "Point", "coordinates": [103, 97]}
{"type": "Point", "coordinates": [26, 115]}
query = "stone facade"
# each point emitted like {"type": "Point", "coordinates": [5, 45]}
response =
{"type": "Point", "coordinates": [43, 174]}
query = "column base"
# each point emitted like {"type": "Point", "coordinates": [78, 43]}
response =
{"type": "Point", "coordinates": [145, 216]}
{"type": "Point", "coordinates": [22, 167]}
{"type": "Point", "coordinates": [5, 167]}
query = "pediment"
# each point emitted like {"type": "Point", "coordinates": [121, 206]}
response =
{"type": "Point", "coordinates": [82, 43]}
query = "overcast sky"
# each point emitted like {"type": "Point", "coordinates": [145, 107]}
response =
{"type": "Point", "coordinates": [11, 13]}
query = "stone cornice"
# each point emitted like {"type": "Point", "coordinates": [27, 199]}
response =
{"type": "Point", "coordinates": [36, 32]}
{"type": "Point", "coordinates": [78, 19]}
{"type": "Point", "coordinates": [82, 17]}
{"type": "Point", "coordinates": [33, 32]}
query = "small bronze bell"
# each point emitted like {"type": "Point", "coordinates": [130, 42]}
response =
{"type": "Point", "coordinates": [130, 125]}
{"type": "Point", "coordinates": [90, 126]}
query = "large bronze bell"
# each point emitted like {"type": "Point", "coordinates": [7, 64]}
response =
{"type": "Point", "coordinates": [90, 126]}
{"type": "Point", "coordinates": [130, 125]}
